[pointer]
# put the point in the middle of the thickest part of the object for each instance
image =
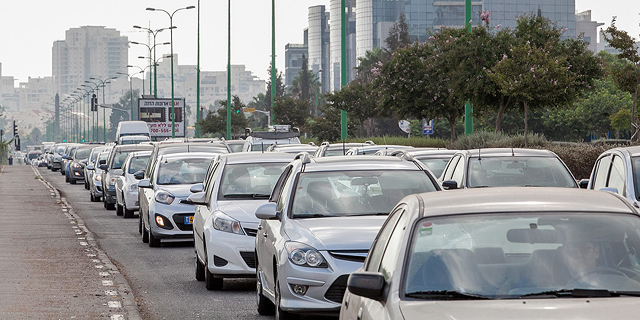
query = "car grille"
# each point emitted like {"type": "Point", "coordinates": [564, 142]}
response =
{"type": "Point", "coordinates": [178, 219]}
{"type": "Point", "coordinates": [251, 232]}
{"type": "Point", "coordinates": [249, 258]}
{"type": "Point", "coordinates": [350, 255]}
{"type": "Point", "coordinates": [219, 262]}
{"type": "Point", "coordinates": [337, 289]}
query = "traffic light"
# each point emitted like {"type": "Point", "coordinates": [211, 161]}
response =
{"type": "Point", "coordinates": [18, 144]}
{"type": "Point", "coordinates": [238, 111]}
{"type": "Point", "coordinates": [63, 140]}
{"type": "Point", "coordinates": [94, 102]}
{"type": "Point", "coordinates": [15, 129]}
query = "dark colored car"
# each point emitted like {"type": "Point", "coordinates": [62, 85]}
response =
{"type": "Point", "coordinates": [78, 161]}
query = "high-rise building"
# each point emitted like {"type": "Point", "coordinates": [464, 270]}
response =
{"type": "Point", "coordinates": [318, 43]}
{"type": "Point", "coordinates": [294, 54]}
{"type": "Point", "coordinates": [335, 36]}
{"type": "Point", "coordinates": [86, 52]}
{"type": "Point", "coordinates": [588, 29]}
{"type": "Point", "coordinates": [505, 12]}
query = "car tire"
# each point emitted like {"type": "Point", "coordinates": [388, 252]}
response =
{"type": "Point", "coordinates": [265, 306]}
{"type": "Point", "coordinates": [127, 213]}
{"type": "Point", "coordinates": [110, 206]}
{"type": "Point", "coordinates": [211, 282]}
{"type": "Point", "coordinates": [71, 181]}
{"type": "Point", "coordinates": [281, 314]}
{"type": "Point", "coordinates": [199, 269]}
{"type": "Point", "coordinates": [93, 199]}
{"type": "Point", "coordinates": [153, 241]}
{"type": "Point", "coordinates": [86, 186]}
{"type": "Point", "coordinates": [145, 235]}
{"type": "Point", "coordinates": [62, 172]}
{"type": "Point", "coordinates": [66, 178]}
{"type": "Point", "coordinates": [139, 223]}
{"type": "Point", "coordinates": [119, 210]}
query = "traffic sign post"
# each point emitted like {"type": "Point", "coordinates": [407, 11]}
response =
{"type": "Point", "coordinates": [427, 127]}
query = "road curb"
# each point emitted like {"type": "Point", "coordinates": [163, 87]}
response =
{"type": "Point", "coordinates": [118, 293]}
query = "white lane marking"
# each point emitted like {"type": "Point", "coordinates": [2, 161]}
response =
{"type": "Point", "coordinates": [99, 267]}
{"type": "Point", "coordinates": [95, 261]}
{"type": "Point", "coordinates": [115, 304]}
{"type": "Point", "coordinates": [107, 282]}
{"type": "Point", "coordinates": [111, 292]}
{"type": "Point", "coordinates": [90, 255]}
{"type": "Point", "coordinates": [82, 243]}
{"type": "Point", "coordinates": [117, 317]}
{"type": "Point", "coordinates": [104, 274]}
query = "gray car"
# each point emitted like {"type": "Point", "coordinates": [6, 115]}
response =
{"type": "Point", "coordinates": [502, 253]}
{"type": "Point", "coordinates": [319, 225]}
{"type": "Point", "coordinates": [618, 170]}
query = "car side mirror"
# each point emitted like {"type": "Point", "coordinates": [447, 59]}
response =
{"type": "Point", "coordinates": [144, 183]}
{"type": "Point", "coordinates": [103, 167]}
{"type": "Point", "coordinates": [367, 284]}
{"type": "Point", "coordinates": [139, 175]}
{"type": "Point", "coordinates": [196, 188]}
{"type": "Point", "coordinates": [584, 183]}
{"type": "Point", "coordinates": [64, 157]}
{"type": "Point", "coordinates": [449, 185]}
{"type": "Point", "coordinates": [197, 198]}
{"type": "Point", "coordinates": [609, 189]}
{"type": "Point", "coordinates": [83, 161]}
{"type": "Point", "coordinates": [90, 167]}
{"type": "Point", "coordinates": [267, 211]}
{"type": "Point", "coordinates": [102, 162]}
{"type": "Point", "coordinates": [118, 172]}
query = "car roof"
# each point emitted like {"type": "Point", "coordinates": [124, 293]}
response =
{"type": "Point", "coordinates": [187, 155]}
{"type": "Point", "coordinates": [133, 147]}
{"type": "Point", "coordinates": [140, 153]}
{"type": "Point", "coordinates": [508, 152]}
{"type": "Point", "coordinates": [345, 163]}
{"type": "Point", "coordinates": [428, 153]}
{"type": "Point", "coordinates": [257, 157]}
{"type": "Point", "coordinates": [522, 200]}
{"type": "Point", "coordinates": [633, 151]}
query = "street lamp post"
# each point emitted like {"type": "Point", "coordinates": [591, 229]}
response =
{"type": "Point", "coordinates": [198, 79]}
{"type": "Point", "coordinates": [273, 56]}
{"type": "Point", "coordinates": [173, 111]}
{"type": "Point", "coordinates": [94, 119]}
{"type": "Point", "coordinates": [155, 78]}
{"type": "Point", "coordinates": [131, 89]}
{"type": "Point", "coordinates": [229, 75]}
{"type": "Point", "coordinates": [316, 85]}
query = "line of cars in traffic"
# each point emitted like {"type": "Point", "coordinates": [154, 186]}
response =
{"type": "Point", "coordinates": [381, 232]}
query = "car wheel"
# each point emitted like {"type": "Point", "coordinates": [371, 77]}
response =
{"type": "Point", "coordinates": [128, 213]}
{"type": "Point", "coordinates": [61, 172]}
{"type": "Point", "coordinates": [66, 178]}
{"type": "Point", "coordinates": [110, 206]}
{"type": "Point", "coordinates": [211, 282]}
{"type": "Point", "coordinates": [199, 269]}
{"type": "Point", "coordinates": [72, 181]}
{"type": "Point", "coordinates": [265, 307]}
{"type": "Point", "coordinates": [139, 223]}
{"type": "Point", "coordinates": [145, 235]}
{"type": "Point", "coordinates": [104, 203]}
{"type": "Point", "coordinates": [86, 186]}
{"type": "Point", "coordinates": [93, 199]}
{"type": "Point", "coordinates": [153, 241]}
{"type": "Point", "coordinates": [281, 314]}
{"type": "Point", "coordinates": [119, 210]}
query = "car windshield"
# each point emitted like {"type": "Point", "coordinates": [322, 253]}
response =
{"type": "Point", "coordinates": [82, 154]}
{"type": "Point", "coordinates": [60, 149]}
{"type": "Point", "coordinates": [436, 165]}
{"type": "Point", "coordinates": [351, 193]}
{"type": "Point", "coordinates": [119, 158]}
{"type": "Point", "coordinates": [249, 181]}
{"type": "Point", "coordinates": [511, 256]}
{"type": "Point", "coordinates": [183, 171]}
{"type": "Point", "coordinates": [235, 147]}
{"type": "Point", "coordinates": [94, 155]}
{"type": "Point", "coordinates": [259, 147]}
{"type": "Point", "coordinates": [636, 175]}
{"type": "Point", "coordinates": [138, 163]}
{"type": "Point", "coordinates": [331, 152]}
{"type": "Point", "coordinates": [518, 172]}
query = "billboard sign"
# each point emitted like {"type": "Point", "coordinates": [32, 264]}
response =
{"type": "Point", "coordinates": [156, 112]}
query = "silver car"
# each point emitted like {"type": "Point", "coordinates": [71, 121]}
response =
{"type": "Point", "coordinates": [95, 184]}
{"type": "Point", "coordinates": [618, 170]}
{"type": "Point", "coordinates": [225, 224]}
{"type": "Point", "coordinates": [127, 185]}
{"type": "Point", "coordinates": [319, 225]}
{"type": "Point", "coordinates": [163, 209]}
{"type": "Point", "coordinates": [502, 253]}
{"type": "Point", "coordinates": [91, 161]}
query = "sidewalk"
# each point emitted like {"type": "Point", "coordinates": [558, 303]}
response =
{"type": "Point", "coordinates": [50, 268]}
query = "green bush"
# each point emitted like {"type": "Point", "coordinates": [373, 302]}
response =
{"type": "Point", "coordinates": [418, 142]}
{"type": "Point", "coordinates": [486, 139]}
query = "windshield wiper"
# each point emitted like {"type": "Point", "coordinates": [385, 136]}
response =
{"type": "Point", "coordinates": [581, 293]}
{"type": "Point", "coordinates": [446, 295]}
{"type": "Point", "coordinates": [369, 214]}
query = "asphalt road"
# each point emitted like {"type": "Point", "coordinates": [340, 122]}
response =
{"type": "Point", "coordinates": [162, 279]}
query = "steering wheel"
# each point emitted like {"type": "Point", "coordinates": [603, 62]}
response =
{"type": "Point", "coordinates": [596, 271]}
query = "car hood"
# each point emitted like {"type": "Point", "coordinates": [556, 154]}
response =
{"type": "Point", "coordinates": [336, 233]}
{"type": "Point", "coordinates": [565, 308]}
{"type": "Point", "coordinates": [241, 210]}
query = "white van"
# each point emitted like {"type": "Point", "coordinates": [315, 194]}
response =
{"type": "Point", "coordinates": [132, 128]}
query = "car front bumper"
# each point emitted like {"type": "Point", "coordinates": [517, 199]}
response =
{"type": "Point", "coordinates": [174, 217]}
{"type": "Point", "coordinates": [230, 254]}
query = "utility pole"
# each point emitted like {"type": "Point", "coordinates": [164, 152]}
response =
{"type": "Point", "coordinates": [273, 57]}
{"type": "Point", "coordinates": [343, 66]}
{"type": "Point", "coordinates": [468, 108]}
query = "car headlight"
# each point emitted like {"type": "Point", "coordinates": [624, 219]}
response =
{"type": "Point", "coordinates": [98, 177]}
{"type": "Point", "coordinates": [303, 255]}
{"type": "Point", "coordinates": [112, 181]}
{"type": "Point", "coordinates": [224, 223]}
{"type": "Point", "coordinates": [165, 197]}
{"type": "Point", "coordinates": [133, 188]}
{"type": "Point", "coordinates": [76, 166]}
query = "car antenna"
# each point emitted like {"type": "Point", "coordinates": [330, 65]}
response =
{"type": "Point", "coordinates": [479, 158]}
{"type": "Point", "coordinates": [262, 146]}
{"type": "Point", "coordinates": [512, 153]}
{"type": "Point", "coordinates": [344, 150]}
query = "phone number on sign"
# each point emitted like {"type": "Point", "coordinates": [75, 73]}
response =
{"type": "Point", "coordinates": [161, 130]}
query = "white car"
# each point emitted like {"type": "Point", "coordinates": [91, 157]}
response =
{"type": "Point", "coordinates": [502, 253]}
{"type": "Point", "coordinates": [225, 225]}
{"type": "Point", "coordinates": [127, 184]}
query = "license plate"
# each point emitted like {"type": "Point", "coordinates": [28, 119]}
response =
{"type": "Point", "coordinates": [188, 220]}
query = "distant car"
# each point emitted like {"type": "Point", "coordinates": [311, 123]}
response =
{"type": "Point", "coordinates": [318, 226]}
{"type": "Point", "coordinates": [66, 159]}
{"type": "Point", "coordinates": [91, 161]}
{"type": "Point", "coordinates": [78, 161]}
{"type": "Point", "coordinates": [234, 145]}
{"type": "Point", "coordinates": [56, 157]}
{"type": "Point", "coordinates": [127, 185]}
{"type": "Point", "coordinates": [506, 167]}
{"type": "Point", "coordinates": [225, 225]}
{"type": "Point", "coordinates": [293, 148]}
{"type": "Point", "coordinates": [116, 158]}
{"type": "Point", "coordinates": [95, 184]}
{"type": "Point", "coordinates": [259, 141]}
{"type": "Point", "coordinates": [618, 170]}
{"type": "Point", "coordinates": [133, 139]}
{"type": "Point", "coordinates": [163, 210]}
{"type": "Point", "coordinates": [434, 159]}
{"type": "Point", "coordinates": [502, 253]}
{"type": "Point", "coordinates": [132, 128]}
{"type": "Point", "coordinates": [327, 149]}
{"type": "Point", "coordinates": [371, 150]}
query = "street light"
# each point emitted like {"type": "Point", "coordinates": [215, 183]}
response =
{"type": "Point", "coordinates": [155, 77]}
{"type": "Point", "coordinates": [173, 112]}
{"type": "Point", "coordinates": [316, 85]}
{"type": "Point", "coordinates": [104, 111]}
{"type": "Point", "coordinates": [131, 87]}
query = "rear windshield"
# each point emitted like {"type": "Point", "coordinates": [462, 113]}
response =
{"type": "Point", "coordinates": [82, 154]}
{"type": "Point", "coordinates": [118, 159]}
{"type": "Point", "coordinates": [138, 163]}
{"type": "Point", "coordinates": [519, 172]}
{"type": "Point", "coordinates": [436, 165]}
{"type": "Point", "coordinates": [183, 171]}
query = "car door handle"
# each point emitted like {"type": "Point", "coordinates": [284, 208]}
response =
{"type": "Point", "coordinates": [264, 234]}
{"type": "Point", "coordinates": [259, 227]}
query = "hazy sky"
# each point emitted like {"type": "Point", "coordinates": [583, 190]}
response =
{"type": "Point", "coordinates": [28, 29]}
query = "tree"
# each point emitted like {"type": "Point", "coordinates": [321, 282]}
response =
{"type": "Point", "coordinates": [119, 113]}
{"type": "Point", "coordinates": [626, 77]}
{"type": "Point", "coordinates": [292, 111]}
{"type": "Point", "coordinates": [304, 83]}
{"type": "Point", "coordinates": [216, 122]}
{"type": "Point", "coordinates": [621, 120]}
{"type": "Point", "coordinates": [371, 63]}
{"type": "Point", "coordinates": [324, 128]}
{"type": "Point", "coordinates": [280, 89]}
{"type": "Point", "coordinates": [359, 99]}
{"type": "Point", "coordinates": [398, 35]}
